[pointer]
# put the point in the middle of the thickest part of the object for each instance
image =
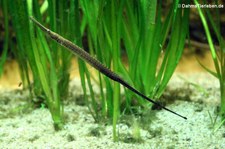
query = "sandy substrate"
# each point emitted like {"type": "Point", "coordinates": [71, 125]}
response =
{"type": "Point", "coordinates": [34, 128]}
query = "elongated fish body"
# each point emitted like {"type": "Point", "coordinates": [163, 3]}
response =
{"type": "Point", "coordinates": [96, 63]}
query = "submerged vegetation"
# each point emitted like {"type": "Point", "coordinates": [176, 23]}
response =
{"type": "Point", "coordinates": [109, 30]}
{"type": "Point", "coordinates": [218, 56]}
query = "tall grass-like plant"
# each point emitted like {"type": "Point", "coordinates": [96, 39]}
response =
{"type": "Point", "coordinates": [217, 56]}
{"type": "Point", "coordinates": [6, 35]}
{"type": "Point", "coordinates": [139, 25]}
{"type": "Point", "coordinates": [152, 61]}
{"type": "Point", "coordinates": [104, 36]}
{"type": "Point", "coordinates": [49, 65]}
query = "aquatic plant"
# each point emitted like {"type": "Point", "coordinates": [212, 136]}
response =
{"type": "Point", "coordinates": [139, 28]}
{"type": "Point", "coordinates": [49, 65]}
{"type": "Point", "coordinates": [218, 56]}
{"type": "Point", "coordinates": [6, 36]}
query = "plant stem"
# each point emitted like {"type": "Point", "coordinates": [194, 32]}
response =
{"type": "Point", "coordinates": [6, 37]}
{"type": "Point", "coordinates": [219, 68]}
{"type": "Point", "coordinates": [115, 50]}
{"type": "Point", "coordinates": [222, 98]}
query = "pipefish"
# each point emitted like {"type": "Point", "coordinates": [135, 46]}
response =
{"type": "Point", "coordinates": [95, 63]}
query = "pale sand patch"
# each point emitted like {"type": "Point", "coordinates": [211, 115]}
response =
{"type": "Point", "coordinates": [35, 129]}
